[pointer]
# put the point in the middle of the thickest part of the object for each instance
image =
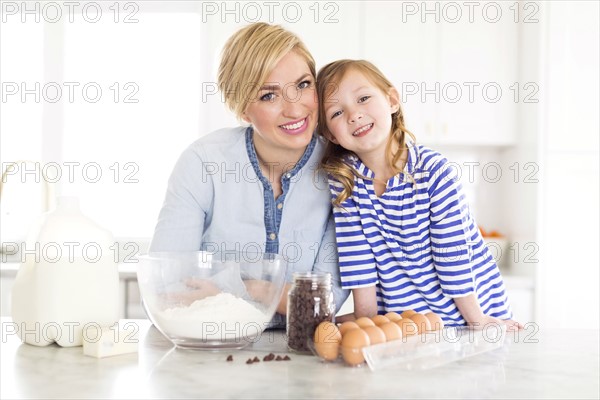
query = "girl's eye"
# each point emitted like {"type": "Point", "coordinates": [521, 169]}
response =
{"type": "Point", "coordinates": [304, 84]}
{"type": "Point", "coordinates": [335, 114]}
{"type": "Point", "coordinates": [268, 97]}
{"type": "Point", "coordinates": [363, 99]}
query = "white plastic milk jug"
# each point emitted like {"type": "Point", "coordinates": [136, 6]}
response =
{"type": "Point", "coordinates": [68, 282]}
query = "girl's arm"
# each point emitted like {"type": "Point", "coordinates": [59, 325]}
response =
{"type": "Point", "coordinates": [454, 241]}
{"type": "Point", "coordinates": [472, 313]}
{"type": "Point", "coordinates": [365, 304]}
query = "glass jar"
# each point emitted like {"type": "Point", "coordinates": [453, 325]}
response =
{"type": "Point", "coordinates": [310, 302]}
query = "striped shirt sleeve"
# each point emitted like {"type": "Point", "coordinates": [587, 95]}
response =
{"type": "Point", "coordinates": [357, 262]}
{"type": "Point", "coordinates": [449, 230]}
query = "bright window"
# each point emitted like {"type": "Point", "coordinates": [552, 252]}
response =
{"type": "Point", "coordinates": [118, 103]}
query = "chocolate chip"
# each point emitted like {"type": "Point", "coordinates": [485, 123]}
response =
{"type": "Point", "coordinates": [229, 358]}
{"type": "Point", "coordinates": [255, 359]}
{"type": "Point", "coordinates": [278, 358]}
{"type": "Point", "coordinates": [249, 361]}
{"type": "Point", "coordinates": [286, 358]}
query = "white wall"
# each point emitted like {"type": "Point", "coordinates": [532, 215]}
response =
{"type": "Point", "coordinates": [568, 225]}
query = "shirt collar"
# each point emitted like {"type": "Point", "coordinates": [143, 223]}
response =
{"type": "Point", "coordinates": [254, 158]}
{"type": "Point", "coordinates": [362, 169]}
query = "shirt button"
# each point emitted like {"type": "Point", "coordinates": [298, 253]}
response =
{"type": "Point", "coordinates": [272, 236]}
{"type": "Point", "coordinates": [288, 175]}
{"type": "Point", "coordinates": [279, 206]}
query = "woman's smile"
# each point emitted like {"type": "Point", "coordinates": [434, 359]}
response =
{"type": "Point", "coordinates": [295, 127]}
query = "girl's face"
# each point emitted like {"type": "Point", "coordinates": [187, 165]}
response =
{"type": "Point", "coordinates": [284, 115]}
{"type": "Point", "coordinates": [359, 115]}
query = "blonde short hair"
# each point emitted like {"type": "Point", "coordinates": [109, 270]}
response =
{"type": "Point", "coordinates": [248, 58]}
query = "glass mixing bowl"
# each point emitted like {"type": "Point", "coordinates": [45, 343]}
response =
{"type": "Point", "coordinates": [208, 300]}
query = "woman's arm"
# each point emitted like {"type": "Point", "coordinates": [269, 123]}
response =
{"type": "Point", "coordinates": [327, 261]}
{"type": "Point", "coordinates": [181, 220]}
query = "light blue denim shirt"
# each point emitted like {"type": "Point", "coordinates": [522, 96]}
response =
{"type": "Point", "coordinates": [218, 200]}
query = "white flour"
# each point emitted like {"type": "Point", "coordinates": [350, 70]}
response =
{"type": "Point", "coordinates": [223, 317]}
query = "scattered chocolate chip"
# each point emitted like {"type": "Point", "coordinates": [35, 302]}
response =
{"type": "Point", "coordinates": [229, 358]}
{"type": "Point", "coordinates": [255, 359]}
{"type": "Point", "coordinates": [286, 358]}
{"type": "Point", "coordinates": [266, 358]}
{"type": "Point", "coordinates": [278, 358]}
{"type": "Point", "coordinates": [249, 361]}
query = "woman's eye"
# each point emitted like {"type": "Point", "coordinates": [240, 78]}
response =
{"type": "Point", "coordinates": [304, 84]}
{"type": "Point", "coordinates": [363, 99]}
{"type": "Point", "coordinates": [335, 114]}
{"type": "Point", "coordinates": [267, 97]}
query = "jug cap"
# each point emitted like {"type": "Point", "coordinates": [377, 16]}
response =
{"type": "Point", "coordinates": [67, 203]}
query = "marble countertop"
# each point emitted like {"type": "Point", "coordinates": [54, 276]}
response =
{"type": "Point", "coordinates": [539, 363]}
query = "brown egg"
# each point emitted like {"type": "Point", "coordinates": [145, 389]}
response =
{"type": "Point", "coordinates": [422, 322]}
{"type": "Point", "coordinates": [352, 343]}
{"type": "Point", "coordinates": [392, 331]}
{"type": "Point", "coordinates": [435, 320]}
{"type": "Point", "coordinates": [347, 326]}
{"type": "Point", "coordinates": [393, 316]}
{"type": "Point", "coordinates": [327, 332]}
{"type": "Point", "coordinates": [363, 322]}
{"type": "Point", "coordinates": [380, 320]}
{"type": "Point", "coordinates": [407, 313]}
{"type": "Point", "coordinates": [407, 326]}
{"type": "Point", "coordinates": [376, 334]}
{"type": "Point", "coordinates": [328, 351]}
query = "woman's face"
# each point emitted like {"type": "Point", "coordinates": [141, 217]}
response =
{"type": "Point", "coordinates": [284, 114]}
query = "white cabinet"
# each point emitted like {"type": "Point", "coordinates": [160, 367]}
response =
{"type": "Point", "coordinates": [456, 77]}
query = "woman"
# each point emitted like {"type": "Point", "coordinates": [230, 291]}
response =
{"type": "Point", "coordinates": [258, 187]}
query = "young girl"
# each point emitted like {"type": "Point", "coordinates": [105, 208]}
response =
{"type": "Point", "coordinates": [406, 238]}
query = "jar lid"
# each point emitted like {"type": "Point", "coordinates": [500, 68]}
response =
{"type": "Point", "coordinates": [317, 277]}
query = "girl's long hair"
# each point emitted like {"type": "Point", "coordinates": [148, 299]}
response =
{"type": "Point", "coordinates": [335, 160]}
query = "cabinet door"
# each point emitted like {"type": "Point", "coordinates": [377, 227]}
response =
{"type": "Point", "coordinates": [404, 49]}
{"type": "Point", "coordinates": [478, 70]}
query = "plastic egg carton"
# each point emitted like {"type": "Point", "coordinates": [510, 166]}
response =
{"type": "Point", "coordinates": [433, 349]}
{"type": "Point", "coordinates": [427, 350]}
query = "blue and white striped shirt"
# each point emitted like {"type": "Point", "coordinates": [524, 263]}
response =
{"type": "Point", "coordinates": [418, 242]}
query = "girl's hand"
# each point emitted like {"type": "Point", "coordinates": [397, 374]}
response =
{"type": "Point", "coordinates": [472, 313]}
{"type": "Point", "coordinates": [483, 320]}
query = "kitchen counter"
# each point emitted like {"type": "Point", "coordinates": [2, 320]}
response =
{"type": "Point", "coordinates": [540, 363]}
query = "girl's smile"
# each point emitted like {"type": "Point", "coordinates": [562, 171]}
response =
{"type": "Point", "coordinates": [360, 132]}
